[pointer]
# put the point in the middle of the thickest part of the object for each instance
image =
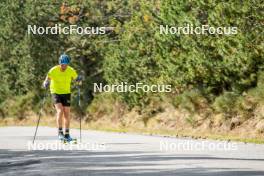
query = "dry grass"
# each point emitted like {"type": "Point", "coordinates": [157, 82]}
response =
{"type": "Point", "coordinates": [105, 125]}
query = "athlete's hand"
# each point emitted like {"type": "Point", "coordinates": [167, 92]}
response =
{"type": "Point", "coordinates": [46, 84]}
{"type": "Point", "coordinates": [78, 80]}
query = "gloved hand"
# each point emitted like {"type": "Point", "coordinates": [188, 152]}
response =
{"type": "Point", "coordinates": [46, 84]}
{"type": "Point", "coordinates": [79, 78]}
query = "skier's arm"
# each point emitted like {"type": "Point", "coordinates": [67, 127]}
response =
{"type": "Point", "coordinates": [78, 80]}
{"type": "Point", "coordinates": [46, 83]}
{"type": "Point", "coordinates": [76, 77]}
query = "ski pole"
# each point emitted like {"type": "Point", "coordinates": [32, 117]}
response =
{"type": "Point", "coordinates": [79, 104]}
{"type": "Point", "coordinates": [39, 115]}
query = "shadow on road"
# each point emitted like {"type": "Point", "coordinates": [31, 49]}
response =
{"type": "Point", "coordinates": [112, 163]}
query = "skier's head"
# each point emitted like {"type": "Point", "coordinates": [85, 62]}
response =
{"type": "Point", "coordinates": [64, 60]}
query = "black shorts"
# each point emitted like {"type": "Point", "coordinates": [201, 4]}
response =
{"type": "Point", "coordinates": [64, 99]}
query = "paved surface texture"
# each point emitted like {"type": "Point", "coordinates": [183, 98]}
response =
{"type": "Point", "coordinates": [104, 153]}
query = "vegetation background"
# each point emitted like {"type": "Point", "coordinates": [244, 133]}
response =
{"type": "Point", "coordinates": [217, 80]}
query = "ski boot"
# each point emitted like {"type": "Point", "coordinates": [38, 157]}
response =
{"type": "Point", "coordinates": [68, 139]}
{"type": "Point", "coordinates": [61, 136]}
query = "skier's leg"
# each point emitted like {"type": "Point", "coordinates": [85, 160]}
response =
{"type": "Point", "coordinates": [66, 103]}
{"type": "Point", "coordinates": [66, 112]}
{"type": "Point", "coordinates": [66, 115]}
{"type": "Point", "coordinates": [59, 110]}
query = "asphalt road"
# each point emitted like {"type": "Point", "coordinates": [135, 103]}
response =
{"type": "Point", "coordinates": [105, 153]}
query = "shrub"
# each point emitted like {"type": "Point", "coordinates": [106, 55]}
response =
{"type": "Point", "coordinates": [226, 104]}
{"type": "Point", "coordinates": [192, 101]}
{"type": "Point", "coordinates": [18, 107]}
{"type": "Point", "coordinates": [103, 104]}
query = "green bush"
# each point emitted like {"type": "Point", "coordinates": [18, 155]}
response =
{"type": "Point", "coordinates": [226, 103]}
{"type": "Point", "coordinates": [216, 63]}
{"type": "Point", "coordinates": [192, 101]}
{"type": "Point", "coordinates": [18, 106]}
{"type": "Point", "coordinates": [136, 51]}
{"type": "Point", "coordinates": [257, 93]}
{"type": "Point", "coordinates": [103, 104]}
{"type": "Point", "coordinates": [245, 107]}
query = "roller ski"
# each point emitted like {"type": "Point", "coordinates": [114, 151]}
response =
{"type": "Point", "coordinates": [66, 139]}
